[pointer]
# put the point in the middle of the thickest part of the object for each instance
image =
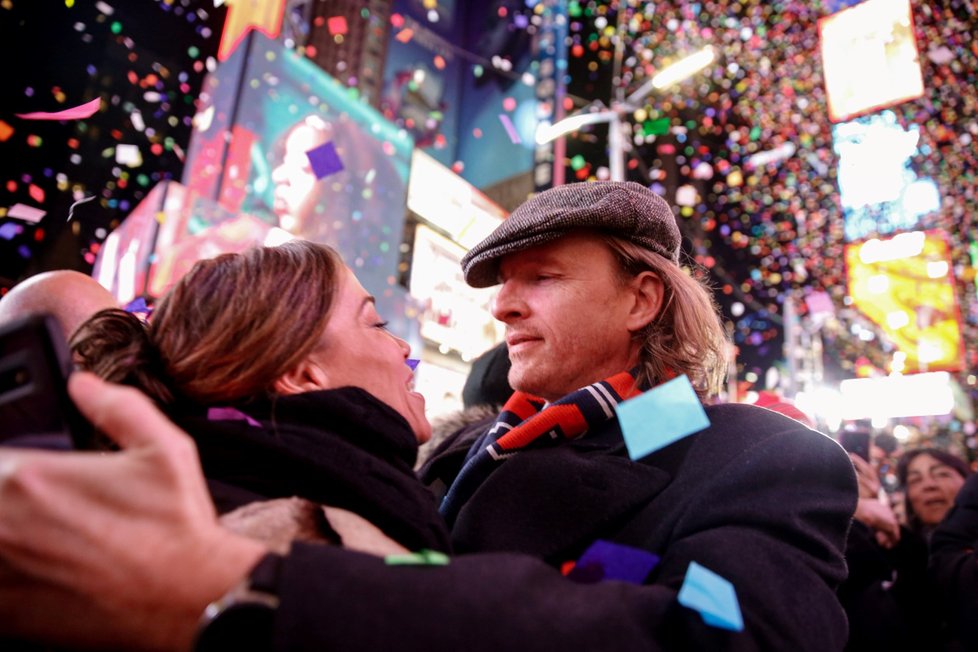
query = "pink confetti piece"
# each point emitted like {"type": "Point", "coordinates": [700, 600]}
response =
{"type": "Point", "coordinates": [229, 414]}
{"type": "Point", "coordinates": [26, 213]}
{"type": "Point", "coordinates": [510, 129]}
{"type": "Point", "coordinates": [85, 110]}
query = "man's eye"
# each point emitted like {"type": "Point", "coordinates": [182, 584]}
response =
{"type": "Point", "coordinates": [382, 325]}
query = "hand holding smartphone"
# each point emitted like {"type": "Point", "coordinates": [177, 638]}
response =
{"type": "Point", "coordinates": [856, 441]}
{"type": "Point", "coordinates": [35, 408]}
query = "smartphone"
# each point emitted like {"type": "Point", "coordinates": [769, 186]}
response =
{"type": "Point", "coordinates": [856, 441]}
{"type": "Point", "coordinates": [35, 409]}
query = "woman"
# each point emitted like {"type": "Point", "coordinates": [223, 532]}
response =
{"type": "Point", "coordinates": [932, 479]}
{"type": "Point", "coordinates": [276, 362]}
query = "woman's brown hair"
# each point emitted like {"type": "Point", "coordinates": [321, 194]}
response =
{"type": "Point", "coordinates": [225, 332]}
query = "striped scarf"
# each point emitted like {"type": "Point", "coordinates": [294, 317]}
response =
{"type": "Point", "coordinates": [526, 420]}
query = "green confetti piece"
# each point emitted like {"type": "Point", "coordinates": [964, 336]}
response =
{"type": "Point", "coordinates": [656, 127]}
{"type": "Point", "coordinates": [578, 162]}
{"type": "Point", "coordinates": [423, 557]}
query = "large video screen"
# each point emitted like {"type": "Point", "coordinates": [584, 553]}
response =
{"type": "Point", "coordinates": [306, 156]}
{"type": "Point", "coordinates": [869, 58]}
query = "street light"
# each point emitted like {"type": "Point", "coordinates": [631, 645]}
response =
{"type": "Point", "coordinates": [588, 115]}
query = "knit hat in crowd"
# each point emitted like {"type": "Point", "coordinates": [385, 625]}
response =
{"type": "Point", "coordinates": [621, 208]}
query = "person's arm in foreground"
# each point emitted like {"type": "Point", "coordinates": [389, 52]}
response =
{"type": "Point", "coordinates": [954, 564]}
{"type": "Point", "coordinates": [117, 550]}
{"type": "Point", "coordinates": [122, 550]}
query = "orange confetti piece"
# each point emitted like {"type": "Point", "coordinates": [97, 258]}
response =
{"type": "Point", "coordinates": [405, 35]}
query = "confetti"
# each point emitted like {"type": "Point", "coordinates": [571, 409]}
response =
{"type": "Point", "coordinates": [712, 596]}
{"type": "Point", "coordinates": [661, 416]}
{"type": "Point", "coordinates": [336, 25]}
{"type": "Point", "coordinates": [230, 414]}
{"type": "Point", "coordinates": [325, 160]}
{"type": "Point", "coordinates": [514, 137]}
{"type": "Point", "coordinates": [604, 560]}
{"type": "Point", "coordinates": [26, 213]}
{"type": "Point", "coordinates": [423, 557]}
{"type": "Point", "coordinates": [71, 209]}
{"type": "Point", "coordinates": [86, 110]}
{"type": "Point", "coordinates": [413, 363]}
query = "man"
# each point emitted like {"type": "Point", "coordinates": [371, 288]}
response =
{"type": "Point", "coordinates": [71, 297]}
{"type": "Point", "coordinates": [597, 309]}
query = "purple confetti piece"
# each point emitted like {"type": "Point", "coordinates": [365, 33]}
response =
{"type": "Point", "coordinates": [411, 362]}
{"type": "Point", "coordinates": [9, 230]}
{"type": "Point", "coordinates": [229, 414]}
{"type": "Point", "coordinates": [324, 160]}
{"type": "Point", "coordinates": [605, 560]}
{"type": "Point", "coordinates": [137, 305]}
{"type": "Point", "coordinates": [510, 129]}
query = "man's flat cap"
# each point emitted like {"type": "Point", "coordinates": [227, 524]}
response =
{"type": "Point", "coordinates": [621, 208]}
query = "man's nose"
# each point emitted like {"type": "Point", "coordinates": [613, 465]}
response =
{"type": "Point", "coordinates": [509, 304]}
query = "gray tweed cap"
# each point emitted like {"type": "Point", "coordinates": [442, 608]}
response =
{"type": "Point", "coordinates": [622, 208]}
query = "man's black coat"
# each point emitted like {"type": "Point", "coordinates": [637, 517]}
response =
{"type": "Point", "coordinates": [757, 498]}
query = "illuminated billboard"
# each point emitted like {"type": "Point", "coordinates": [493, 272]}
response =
{"type": "Point", "coordinates": [869, 58]}
{"type": "Point", "coordinates": [904, 284]}
{"type": "Point", "coordinates": [878, 190]}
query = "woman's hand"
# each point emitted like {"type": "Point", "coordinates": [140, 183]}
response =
{"type": "Point", "coordinates": [867, 477]}
{"type": "Point", "coordinates": [113, 550]}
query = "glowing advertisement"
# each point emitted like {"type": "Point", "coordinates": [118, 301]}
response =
{"type": "Point", "coordinates": [869, 58]}
{"type": "Point", "coordinates": [454, 315]}
{"type": "Point", "coordinates": [904, 284]}
{"type": "Point", "coordinates": [879, 191]}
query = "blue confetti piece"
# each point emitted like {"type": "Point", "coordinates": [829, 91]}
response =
{"type": "Point", "coordinates": [9, 230]}
{"type": "Point", "coordinates": [324, 160]}
{"type": "Point", "coordinates": [411, 362]}
{"type": "Point", "coordinates": [712, 596]}
{"type": "Point", "coordinates": [661, 416]}
{"type": "Point", "coordinates": [605, 560]}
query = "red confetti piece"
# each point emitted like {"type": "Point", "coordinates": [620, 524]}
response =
{"type": "Point", "coordinates": [337, 25]}
{"type": "Point", "coordinates": [37, 193]}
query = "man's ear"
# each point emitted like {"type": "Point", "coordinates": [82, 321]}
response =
{"type": "Point", "coordinates": [307, 376]}
{"type": "Point", "coordinates": [648, 290]}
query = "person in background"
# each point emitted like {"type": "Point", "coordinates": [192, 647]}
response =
{"type": "Point", "coordinates": [598, 310]}
{"type": "Point", "coordinates": [954, 567]}
{"type": "Point", "coordinates": [886, 595]}
{"type": "Point", "coordinates": [276, 362]}
{"type": "Point", "coordinates": [485, 391]}
{"type": "Point", "coordinates": [931, 478]}
{"type": "Point", "coordinates": [71, 297]}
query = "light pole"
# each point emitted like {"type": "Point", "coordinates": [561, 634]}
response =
{"type": "Point", "coordinates": [595, 113]}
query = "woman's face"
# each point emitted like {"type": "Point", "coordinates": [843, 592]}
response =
{"type": "Point", "coordinates": [931, 488]}
{"type": "Point", "coordinates": [295, 182]}
{"type": "Point", "coordinates": [358, 351]}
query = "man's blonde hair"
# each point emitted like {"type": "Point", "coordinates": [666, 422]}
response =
{"type": "Point", "coordinates": [687, 336]}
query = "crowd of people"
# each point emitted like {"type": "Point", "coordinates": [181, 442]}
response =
{"type": "Point", "coordinates": [262, 493]}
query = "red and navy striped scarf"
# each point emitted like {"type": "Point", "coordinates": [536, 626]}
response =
{"type": "Point", "coordinates": [526, 420]}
